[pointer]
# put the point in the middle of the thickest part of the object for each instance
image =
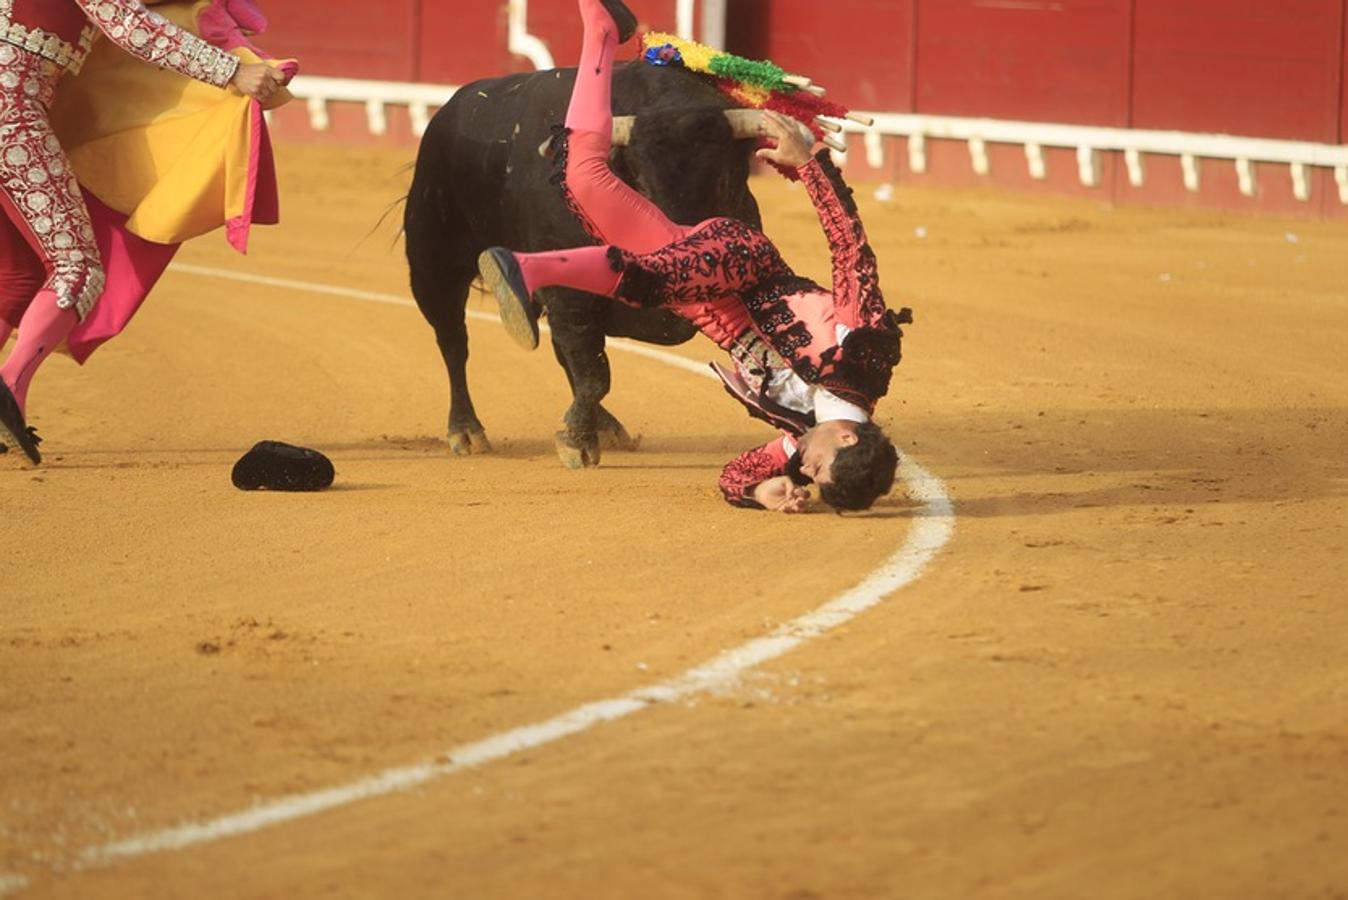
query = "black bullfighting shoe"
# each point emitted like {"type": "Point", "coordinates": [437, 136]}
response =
{"type": "Point", "coordinates": [622, 18]}
{"type": "Point", "coordinates": [11, 421]}
{"type": "Point", "coordinates": [519, 315]}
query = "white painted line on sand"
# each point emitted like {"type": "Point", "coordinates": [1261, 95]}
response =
{"type": "Point", "coordinates": [11, 884]}
{"type": "Point", "coordinates": [931, 528]}
{"type": "Point", "coordinates": [632, 347]}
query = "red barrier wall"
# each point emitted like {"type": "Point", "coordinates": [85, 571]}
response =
{"type": "Point", "coordinates": [1240, 67]}
{"type": "Point", "coordinates": [461, 42]}
{"type": "Point", "coordinates": [1334, 207]}
{"type": "Point", "coordinates": [1269, 68]}
{"type": "Point", "coordinates": [341, 37]}
{"type": "Point", "coordinates": [430, 40]}
{"type": "Point", "coordinates": [1343, 80]}
{"type": "Point", "coordinates": [1064, 61]}
{"type": "Point", "coordinates": [829, 47]}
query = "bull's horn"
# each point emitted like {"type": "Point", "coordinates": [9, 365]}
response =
{"type": "Point", "coordinates": [622, 135]}
{"type": "Point", "coordinates": [622, 130]}
{"type": "Point", "coordinates": [745, 123]}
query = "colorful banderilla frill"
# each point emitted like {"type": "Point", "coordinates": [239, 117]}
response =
{"type": "Point", "coordinates": [750, 83]}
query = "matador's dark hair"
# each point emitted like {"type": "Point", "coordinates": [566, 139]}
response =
{"type": "Point", "coordinates": [863, 472]}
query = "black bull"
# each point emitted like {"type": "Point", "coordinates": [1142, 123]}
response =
{"type": "Point", "coordinates": [480, 181]}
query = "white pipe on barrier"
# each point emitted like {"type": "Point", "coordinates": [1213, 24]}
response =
{"type": "Point", "coordinates": [318, 91]}
{"type": "Point", "coordinates": [1087, 140]}
{"type": "Point", "coordinates": [684, 17]}
{"type": "Point", "coordinates": [1171, 143]}
{"type": "Point", "coordinates": [522, 42]}
{"type": "Point", "coordinates": [1192, 174]}
{"type": "Point", "coordinates": [714, 23]}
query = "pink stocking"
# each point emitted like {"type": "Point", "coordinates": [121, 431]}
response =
{"type": "Point", "coordinates": [44, 326]}
{"type": "Point", "coordinates": [591, 107]}
{"type": "Point", "coordinates": [585, 269]}
{"type": "Point", "coordinates": [611, 211]}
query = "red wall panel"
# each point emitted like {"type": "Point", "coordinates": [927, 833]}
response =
{"type": "Point", "coordinates": [1240, 67]}
{"type": "Point", "coordinates": [861, 50]}
{"type": "Point", "coordinates": [1343, 77]}
{"type": "Point", "coordinates": [557, 23]}
{"type": "Point", "coordinates": [1259, 67]}
{"type": "Point", "coordinates": [458, 44]}
{"type": "Point", "coordinates": [461, 42]}
{"type": "Point", "coordinates": [1063, 61]}
{"type": "Point", "coordinates": [341, 37]}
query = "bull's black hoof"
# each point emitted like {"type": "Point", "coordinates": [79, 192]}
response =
{"type": "Point", "coordinates": [577, 453]}
{"type": "Point", "coordinates": [618, 438]}
{"type": "Point", "coordinates": [274, 466]}
{"type": "Point", "coordinates": [612, 434]}
{"type": "Point", "coordinates": [469, 443]}
{"type": "Point", "coordinates": [501, 273]}
{"type": "Point", "coordinates": [12, 422]}
{"type": "Point", "coordinates": [622, 18]}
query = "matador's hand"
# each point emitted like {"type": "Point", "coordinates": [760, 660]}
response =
{"type": "Point", "coordinates": [793, 141]}
{"type": "Point", "coordinates": [781, 494]}
{"type": "Point", "coordinates": [258, 80]}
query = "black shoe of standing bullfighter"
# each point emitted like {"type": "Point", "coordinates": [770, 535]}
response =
{"type": "Point", "coordinates": [519, 315]}
{"type": "Point", "coordinates": [11, 420]}
{"type": "Point", "coordinates": [622, 18]}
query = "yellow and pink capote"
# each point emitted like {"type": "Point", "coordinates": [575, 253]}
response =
{"type": "Point", "coordinates": [163, 158]}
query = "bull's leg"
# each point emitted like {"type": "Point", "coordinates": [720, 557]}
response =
{"type": "Point", "coordinates": [442, 300]}
{"type": "Point", "coordinates": [465, 432]}
{"type": "Point", "coordinates": [578, 342]}
{"type": "Point", "coordinates": [650, 326]}
{"type": "Point", "coordinates": [612, 434]}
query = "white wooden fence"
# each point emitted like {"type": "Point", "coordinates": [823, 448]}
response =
{"type": "Point", "coordinates": [1194, 150]}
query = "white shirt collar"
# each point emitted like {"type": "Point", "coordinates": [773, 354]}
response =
{"type": "Point", "coordinates": [828, 407]}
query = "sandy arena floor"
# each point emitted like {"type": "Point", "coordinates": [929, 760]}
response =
{"type": "Point", "coordinates": [1125, 676]}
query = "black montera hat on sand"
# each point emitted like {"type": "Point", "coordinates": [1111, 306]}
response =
{"type": "Point", "coordinates": [274, 466]}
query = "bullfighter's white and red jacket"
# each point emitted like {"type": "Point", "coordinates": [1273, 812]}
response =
{"type": "Point", "coordinates": [62, 31]}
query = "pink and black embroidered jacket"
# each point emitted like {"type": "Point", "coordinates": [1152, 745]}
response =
{"type": "Point", "coordinates": [727, 278]}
